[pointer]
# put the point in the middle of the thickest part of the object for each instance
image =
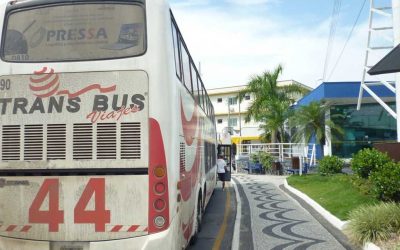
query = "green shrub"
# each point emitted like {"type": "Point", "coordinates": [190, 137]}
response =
{"type": "Point", "coordinates": [330, 165]}
{"type": "Point", "coordinates": [264, 158]}
{"type": "Point", "coordinates": [374, 222]}
{"type": "Point", "coordinates": [367, 160]}
{"type": "Point", "coordinates": [255, 157]}
{"type": "Point", "coordinates": [386, 181]}
{"type": "Point", "coordinates": [364, 186]}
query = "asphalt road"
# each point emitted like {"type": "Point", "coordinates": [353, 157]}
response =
{"type": "Point", "coordinates": [218, 221]}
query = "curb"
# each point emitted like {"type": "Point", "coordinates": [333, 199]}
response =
{"type": "Point", "coordinates": [336, 222]}
{"type": "Point", "coordinates": [236, 231]}
{"type": "Point", "coordinates": [371, 246]}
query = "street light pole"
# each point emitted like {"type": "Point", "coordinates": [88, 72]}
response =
{"type": "Point", "coordinates": [396, 31]}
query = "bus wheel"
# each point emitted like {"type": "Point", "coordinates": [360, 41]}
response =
{"type": "Point", "coordinates": [199, 218]}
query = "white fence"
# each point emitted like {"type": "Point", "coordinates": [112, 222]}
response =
{"type": "Point", "coordinates": [281, 151]}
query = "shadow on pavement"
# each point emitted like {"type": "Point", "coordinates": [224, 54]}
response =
{"type": "Point", "coordinates": [213, 219]}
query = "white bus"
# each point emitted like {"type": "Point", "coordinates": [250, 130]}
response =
{"type": "Point", "coordinates": [107, 134]}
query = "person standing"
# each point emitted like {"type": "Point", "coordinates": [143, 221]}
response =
{"type": "Point", "coordinates": [221, 169]}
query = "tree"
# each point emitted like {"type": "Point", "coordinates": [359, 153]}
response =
{"type": "Point", "coordinates": [311, 120]}
{"type": "Point", "coordinates": [271, 102]}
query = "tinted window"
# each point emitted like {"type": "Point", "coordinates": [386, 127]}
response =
{"type": "Point", "coordinates": [186, 68]}
{"type": "Point", "coordinates": [195, 86]}
{"type": "Point", "coordinates": [201, 94]}
{"type": "Point", "coordinates": [74, 32]}
{"type": "Point", "coordinates": [176, 52]}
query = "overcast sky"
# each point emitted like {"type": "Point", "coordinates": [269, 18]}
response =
{"type": "Point", "coordinates": [235, 39]}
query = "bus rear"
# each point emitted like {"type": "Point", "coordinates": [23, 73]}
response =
{"type": "Point", "coordinates": [76, 140]}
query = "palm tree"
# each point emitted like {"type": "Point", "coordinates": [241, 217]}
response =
{"type": "Point", "coordinates": [311, 120]}
{"type": "Point", "coordinates": [271, 102]}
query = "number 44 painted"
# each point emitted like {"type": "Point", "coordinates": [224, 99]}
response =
{"type": "Point", "coordinates": [54, 216]}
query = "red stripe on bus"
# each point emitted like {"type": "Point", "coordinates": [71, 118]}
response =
{"type": "Point", "coordinates": [11, 228]}
{"type": "Point", "coordinates": [44, 87]}
{"type": "Point", "coordinates": [187, 228]}
{"type": "Point", "coordinates": [116, 228]}
{"type": "Point", "coordinates": [133, 228]}
{"type": "Point", "coordinates": [189, 126]}
{"type": "Point", "coordinates": [26, 228]}
{"type": "Point", "coordinates": [87, 89]}
{"type": "Point", "coordinates": [192, 177]}
{"type": "Point", "coordinates": [44, 69]}
{"type": "Point", "coordinates": [44, 78]}
{"type": "Point", "coordinates": [49, 93]}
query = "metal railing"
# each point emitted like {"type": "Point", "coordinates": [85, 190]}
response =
{"type": "Point", "coordinates": [282, 151]}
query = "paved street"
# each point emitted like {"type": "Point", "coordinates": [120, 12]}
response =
{"type": "Point", "coordinates": [271, 219]}
{"type": "Point", "coordinates": [218, 221]}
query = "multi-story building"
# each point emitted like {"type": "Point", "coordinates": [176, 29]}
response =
{"type": "Point", "coordinates": [230, 114]}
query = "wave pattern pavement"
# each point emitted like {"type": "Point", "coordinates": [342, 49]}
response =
{"type": "Point", "coordinates": [278, 222]}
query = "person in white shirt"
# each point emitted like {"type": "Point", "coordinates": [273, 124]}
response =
{"type": "Point", "coordinates": [221, 166]}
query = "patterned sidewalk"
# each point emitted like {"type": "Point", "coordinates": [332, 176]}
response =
{"type": "Point", "coordinates": [277, 221]}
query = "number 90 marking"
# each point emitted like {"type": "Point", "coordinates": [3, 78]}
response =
{"type": "Point", "coordinates": [5, 84]}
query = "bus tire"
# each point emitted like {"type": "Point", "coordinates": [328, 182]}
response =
{"type": "Point", "coordinates": [199, 218]}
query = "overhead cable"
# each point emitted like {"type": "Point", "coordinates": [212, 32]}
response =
{"type": "Point", "coordinates": [334, 20]}
{"type": "Point", "coordinates": [348, 39]}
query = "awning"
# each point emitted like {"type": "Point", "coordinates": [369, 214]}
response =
{"type": "Point", "coordinates": [389, 64]}
{"type": "Point", "coordinates": [238, 140]}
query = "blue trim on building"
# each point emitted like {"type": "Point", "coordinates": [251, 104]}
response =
{"type": "Point", "coordinates": [334, 91]}
{"type": "Point", "coordinates": [337, 90]}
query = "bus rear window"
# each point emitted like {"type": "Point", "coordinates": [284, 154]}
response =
{"type": "Point", "coordinates": [76, 32]}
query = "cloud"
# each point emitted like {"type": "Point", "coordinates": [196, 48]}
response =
{"type": "Point", "coordinates": [191, 3]}
{"type": "Point", "coordinates": [233, 46]}
{"type": "Point", "coordinates": [250, 2]}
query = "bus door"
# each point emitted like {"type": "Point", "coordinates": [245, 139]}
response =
{"type": "Point", "coordinates": [226, 151]}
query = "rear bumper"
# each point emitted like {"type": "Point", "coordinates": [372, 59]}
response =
{"type": "Point", "coordinates": [168, 239]}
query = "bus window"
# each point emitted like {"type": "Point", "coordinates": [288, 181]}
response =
{"type": "Point", "coordinates": [186, 68]}
{"type": "Point", "coordinates": [176, 52]}
{"type": "Point", "coordinates": [199, 100]}
{"type": "Point", "coordinates": [201, 96]}
{"type": "Point", "coordinates": [205, 100]}
{"type": "Point", "coordinates": [71, 33]}
{"type": "Point", "coordinates": [195, 83]}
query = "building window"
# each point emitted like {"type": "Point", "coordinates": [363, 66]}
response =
{"type": "Point", "coordinates": [361, 128]}
{"type": "Point", "coordinates": [233, 122]}
{"type": "Point", "coordinates": [232, 100]}
{"type": "Point", "coordinates": [220, 121]}
{"type": "Point", "coordinates": [219, 100]}
{"type": "Point", "coordinates": [247, 97]}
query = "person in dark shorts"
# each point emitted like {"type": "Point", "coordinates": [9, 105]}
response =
{"type": "Point", "coordinates": [221, 169]}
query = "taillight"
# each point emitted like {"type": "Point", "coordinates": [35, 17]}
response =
{"type": "Point", "coordinates": [158, 182]}
{"type": "Point", "coordinates": [159, 188]}
{"type": "Point", "coordinates": [159, 204]}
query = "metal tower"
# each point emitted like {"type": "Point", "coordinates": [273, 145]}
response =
{"type": "Point", "coordinates": [376, 30]}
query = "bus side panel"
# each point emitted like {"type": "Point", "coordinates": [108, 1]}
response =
{"type": "Point", "coordinates": [163, 103]}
